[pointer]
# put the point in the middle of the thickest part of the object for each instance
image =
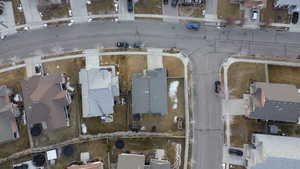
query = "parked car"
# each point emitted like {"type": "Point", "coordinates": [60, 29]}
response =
{"type": "Point", "coordinates": [138, 45]}
{"type": "Point", "coordinates": [130, 5]}
{"type": "Point", "coordinates": [166, 2]}
{"type": "Point", "coordinates": [217, 86]}
{"type": "Point", "coordinates": [235, 152]}
{"type": "Point", "coordinates": [38, 68]}
{"type": "Point", "coordinates": [122, 45]}
{"type": "Point", "coordinates": [174, 3]}
{"type": "Point", "coordinates": [193, 26]}
{"type": "Point", "coordinates": [254, 14]}
{"type": "Point", "coordinates": [295, 17]}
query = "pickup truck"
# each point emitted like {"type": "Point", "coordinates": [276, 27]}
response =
{"type": "Point", "coordinates": [193, 26]}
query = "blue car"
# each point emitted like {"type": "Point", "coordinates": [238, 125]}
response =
{"type": "Point", "coordinates": [193, 26]}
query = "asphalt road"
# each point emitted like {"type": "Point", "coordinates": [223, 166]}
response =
{"type": "Point", "coordinates": [207, 48]}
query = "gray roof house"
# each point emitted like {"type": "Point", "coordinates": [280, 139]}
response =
{"type": "Point", "coordinates": [295, 4]}
{"type": "Point", "coordinates": [45, 101]}
{"type": "Point", "coordinates": [8, 126]}
{"type": "Point", "coordinates": [273, 152]}
{"type": "Point", "coordinates": [149, 92]}
{"type": "Point", "coordinates": [276, 102]}
{"type": "Point", "coordinates": [131, 161]}
{"type": "Point", "coordinates": [99, 87]}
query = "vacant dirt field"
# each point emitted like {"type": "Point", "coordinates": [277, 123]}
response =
{"type": "Point", "coordinates": [148, 7]}
{"type": "Point", "coordinates": [174, 66]}
{"type": "Point", "coordinates": [240, 75]}
{"type": "Point", "coordinates": [13, 78]}
{"type": "Point", "coordinates": [101, 7]}
{"type": "Point", "coordinates": [242, 129]}
{"type": "Point", "coordinates": [283, 74]}
{"type": "Point", "coordinates": [55, 11]}
{"type": "Point", "coordinates": [190, 11]}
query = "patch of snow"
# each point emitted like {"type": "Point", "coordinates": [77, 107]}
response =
{"type": "Point", "coordinates": [173, 93]}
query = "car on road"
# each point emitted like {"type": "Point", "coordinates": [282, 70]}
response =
{"type": "Point", "coordinates": [130, 5]}
{"type": "Point", "coordinates": [235, 152]}
{"type": "Point", "coordinates": [254, 14]}
{"type": "Point", "coordinates": [295, 17]}
{"type": "Point", "coordinates": [174, 3]}
{"type": "Point", "coordinates": [193, 26]}
{"type": "Point", "coordinates": [122, 45]}
{"type": "Point", "coordinates": [217, 86]}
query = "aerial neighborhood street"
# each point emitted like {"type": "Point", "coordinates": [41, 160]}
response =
{"type": "Point", "coordinates": [149, 84]}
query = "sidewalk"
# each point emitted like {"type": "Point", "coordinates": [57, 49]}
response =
{"type": "Point", "coordinates": [79, 10]}
{"type": "Point", "coordinates": [7, 18]}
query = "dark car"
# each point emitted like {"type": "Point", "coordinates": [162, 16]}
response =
{"type": "Point", "coordinates": [217, 86]}
{"type": "Point", "coordinates": [235, 152]}
{"type": "Point", "coordinates": [138, 45]}
{"type": "Point", "coordinates": [130, 5]}
{"type": "Point", "coordinates": [166, 2]}
{"type": "Point", "coordinates": [174, 3]}
{"type": "Point", "coordinates": [295, 17]}
{"type": "Point", "coordinates": [122, 45]}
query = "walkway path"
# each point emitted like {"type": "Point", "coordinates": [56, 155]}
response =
{"type": "Point", "coordinates": [7, 19]}
{"type": "Point", "coordinates": [79, 10]}
{"type": "Point", "coordinates": [92, 58]}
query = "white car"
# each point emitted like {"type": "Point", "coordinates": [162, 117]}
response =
{"type": "Point", "coordinates": [254, 14]}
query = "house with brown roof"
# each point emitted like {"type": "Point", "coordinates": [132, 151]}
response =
{"type": "Point", "coordinates": [46, 100]}
{"type": "Point", "coordinates": [8, 125]}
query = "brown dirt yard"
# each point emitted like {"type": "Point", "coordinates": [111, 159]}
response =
{"type": "Point", "coordinates": [242, 129]}
{"type": "Point", "coordinates": [190, 11]}
{"type": "Point", "coordinates": [101, 7]}
{"type": "Point", "coordinates": [148, 7]}
{"type": "Point", "coordinates": [55, 11]}
{"type": "Point", "coordinates": [271, 14]}
{"type": "Point", "coordinates": [174, 67]}
{"type": "Point", "coordinates": [228, 11]}
{"type": "Point", "coordinates": [147, 146]}
{"type": "Point", "coordinates": [97, 150]}
{"type": "Point", "coordinates": [283, 74]}
{"type": "Point", "coordinates": [19, 16]}
{"type": "Point", "coordinates": [240, 75]}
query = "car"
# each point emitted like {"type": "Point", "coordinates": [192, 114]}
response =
{"type": "Point", "coordinates": [235, 152]}
{"type": "Point", "coordinates": [174, 3]}
{"type": "Point", "coordinates": [130, 5]}
{"type": "Point", "coordinates": [217, 86]}
{"type": "Point", "coordinates": [254, 14]}
{"type": "Point", "coordinates": [38, 68]}
{"type": "Point", "coordinates": [295, 17]}
{"type": "Point", "coordinates": [122, 45]}
{"type": "Point", "coordinates": [193, 26]}
{"type": "Point", "coordinates": [166, 2]}
{"type": "Point", "coordinates": [138, 45]}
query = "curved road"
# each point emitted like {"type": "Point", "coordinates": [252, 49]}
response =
{"type": "Point", "coordinates": [207, 49]}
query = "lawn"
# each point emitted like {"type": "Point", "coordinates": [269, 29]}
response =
{"type": "Point", "coordinates": [174, 67]}
{"type": "Point", "coordinates": [97, 149]}
{"type": "Point", "coordinates": [284, 74]}
{"type": "Point", "coordinates": [148, 7]}
{"type": "Point", "coordinates": [13, 78]}
{"type": "Point", "coordinates": [190, 11]}
{"type": "Point", "coordinates": [228, 11]}
{"type": "Point", "coordinates": [240, 76]}
{"type": "Point", "coordinates": [19, 16]}
{"type": "Point", "coordinates": [147, 147]}
{"type": "Point", "coordinates": [242, 129]}
{"type": "Point", "coordinates": [274, 15]}
{"type": "Point", "coordinates": [55, 11]}
{"type": "Point", "coordinates": [101, 7]}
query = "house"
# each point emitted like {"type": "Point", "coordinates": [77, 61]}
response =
{"type": "Point", "coordinates": [149, 92]}
{"type": "Point", "coordinates": [257, 4]}
{"type": "Point", "coordinates": [275, 152]}
{"type": "Point", "coordinates": [131, 161]}
{"type": "Point", "coordinates": [46, 100]}
{"type": "Point", "coordinates": [99, 87]}
{"type": "Point", "coordinates": [275, 102]}
{"type": "Point", "coordinates": [8, 125]}
{"type": "Point", "coordinates": [93, 165]}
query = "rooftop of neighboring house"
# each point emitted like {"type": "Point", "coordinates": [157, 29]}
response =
{"type": "Point", "coordinates": [149, 92]}
{"type": "Point", "coordinates": [99, 87]}
{"type": "Point", "coordinates": [276, 102]}
{"type": "Point", "coordinates": [260, 4]}
{"type": "Point", "coordinates": [276, 152]}
{"type": "Point", "coordinates": [131, 161]}
{"type": "Point", "coordinates": [8, 125]}
{"type": "Point", "coordinates": [45, 100]}
{"type": "Point", "coordinates": [94, 165]}
{"type": "Point", "coordinates": [287, 3]}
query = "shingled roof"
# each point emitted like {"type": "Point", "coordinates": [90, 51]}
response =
{"type": "Point", "coordinates": [45, 100]}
